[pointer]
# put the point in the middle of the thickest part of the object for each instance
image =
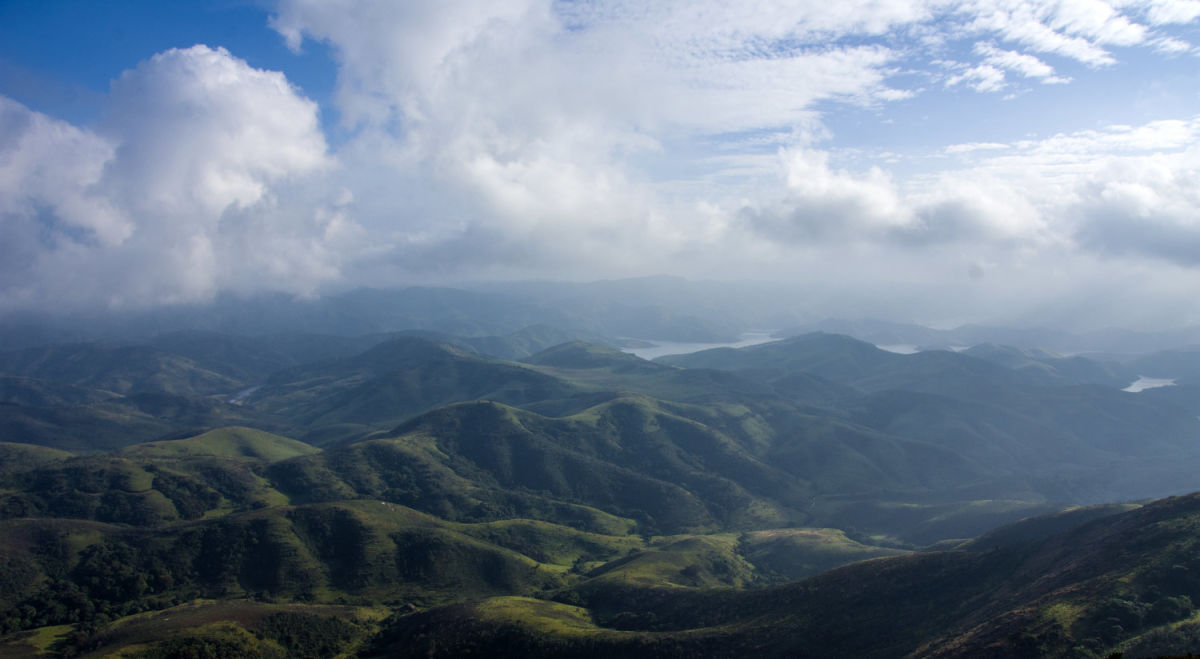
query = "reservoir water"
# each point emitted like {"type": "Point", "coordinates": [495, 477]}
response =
{"type": "Point", "coordinates": [1143, 383]}
{"type": "Point", "coordinates": [242, 395]}
{"type": "Point", "coordinates": [661, 348]}
{"type": "Point", "coordinates": [900, 348]}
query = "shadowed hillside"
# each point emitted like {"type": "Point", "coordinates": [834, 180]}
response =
{"type": "Point", "coordinates": [1118, 584]}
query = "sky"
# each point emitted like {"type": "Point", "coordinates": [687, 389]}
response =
{"type": "Point", "coordinates": [1029, 161]}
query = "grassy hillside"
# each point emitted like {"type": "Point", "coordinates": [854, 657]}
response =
{"type": "Point", "coordinates": [531, 340]}
{"type": "Point", "coordinates": [212, 628]}
{"type": "Point", "coordinates": [311, 553]}
{"type": "Point", "coordinates": [149, 484]}
{"type": "Point", "coordinates": [1032, 429]}
{"type": "Point", "coordinates": [1182, 364]}
{"type": "Point", "coordinates": [117, 369]}
{"type": "Point", "coordinates": [1054, 369]}
{"type": "Point", "coordinates": [229, 442]}
{"type": "Point", "coordinates": [792, 554]}
{"type": "Point", "coordinates": [34, 392]}
{"type": "Point", "coordinates": [395, 381]}
{"type": "Point", "coordinates": [832, 356]}
{"type": "Point", "coordinates": [16, 458]}
{"type": "Point", "coordinates": [580, 355]}
{"type": "Point", "coordinates": [114, 422]}
{"type": "Point", "coordinates": [1118, 584]}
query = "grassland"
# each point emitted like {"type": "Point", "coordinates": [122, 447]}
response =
{"type": "Point", "coordinates": [230, 442]}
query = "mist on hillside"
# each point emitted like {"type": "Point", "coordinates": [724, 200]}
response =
{"type": "Point", "coordinates": [667, 309]}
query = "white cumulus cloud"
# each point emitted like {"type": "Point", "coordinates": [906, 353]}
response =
{"type": "Point", "coordinates": [550, 138]}
{"type": "Point", "coordinates": [173, 197]}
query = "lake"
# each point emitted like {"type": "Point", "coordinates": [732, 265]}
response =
{"type": "Point", "coordinates": [900, 348]}
{"type": "Point", "coordinates": [661, 348]}
{"type": "Point", "coordinates": [1143, 383]}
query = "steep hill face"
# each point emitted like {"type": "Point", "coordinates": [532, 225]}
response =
{"type": "Point", "coordinates": [233, 442]}
{"type": "Point", "coordinates": [1124, 582]}
{"type": "Point", "coordinates": [304, 553]}
{"type": "Point", "coordinates": [581, 355]}
{"type": "Point", "coordinates": [149, 484]}
{"type": "Point", "coordinates": [394, 381]}
{"type": "Point", "coordinates": [976, 372]}
{"type": "Point", "coordinates": [530, 341]}
{"type": "Point", "coordinates": [1119, 583]}
{"type": "Point", "coordinates": [1180, 363]}
{"type": "Point", "coordinates": [627, 457]}
{"type": "Point", "coordinates": [93, 397]}
{"type": "Point", "coordinates": [118, 369]}
{"type": "Point", "coordinates": [674, 467]}
{"type": "Point", "coordinates": [1053, 369]}
{"type": "Point", "coordinates": [250, 359]}
{"type": "Point", "coordinates": [34, 392]}
{"type": "Point", "coordinates": [832, 356]}
{"type": "Point", "coordinates": [112, 422]}
{"type": "Point", "coordinates": [1021, 421]}
{"type": "Point", "coordinates": [861, 365]}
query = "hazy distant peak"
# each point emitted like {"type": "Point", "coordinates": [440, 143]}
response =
{"type": "Point", "coordinates": [580, 354]}
{"type": "Point", "coordinates": [992, 350]}
{"type": "Point", "coordinates": [410, 350]}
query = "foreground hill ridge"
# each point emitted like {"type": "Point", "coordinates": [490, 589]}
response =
{"type": "Point", "coordinates": [319, 550]}
{"type": "Point", "coordinates": [1050, 597]}
{"type": "Point", "coordinates": [589, 502]}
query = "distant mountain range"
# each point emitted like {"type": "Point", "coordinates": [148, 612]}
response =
{"type": "Point", "coordinates": [542, 493]}
{"type": "Point", "coordinates": [1111, 343]}
{"type": "Point", "coordinates": [654, 308]}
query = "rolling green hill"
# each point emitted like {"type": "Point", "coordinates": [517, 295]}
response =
{"type": "Point", "coordinates": [862, 366]}
{"type": "Point", "coordinates": [1055, 369]}
{"type": "Point", "coordinates": [213, 628]}
{"type": "Point", "coordinates": [1122, 583]}
{"type": "Point", "coordinates": [530, 341]}
{"type": "Point", "coordinates": [1055, 439]}
{"type": "Point", "coordinates": [394, 381]}
{"type": "Point", "coordinates": [33, 392]}
{"type": "Point", "coordinates": [118, 369]}
{"type": "Point", "coordinates": [117, 422]}
{"type": "Point", "coordinates": [229, 442]}
{"type": "Point", "coordinates": [673, 467]}
{"type": "Point", "coordinates": [778, 500]}
{"type": "Point", "coordinates": [1179, 363]}
{"type": "Point", "coordinates": [580, 355]}
{"type": "Point", "coordinates": [15, 458]}
{"type": "Point", "coordinates": [832, 356]}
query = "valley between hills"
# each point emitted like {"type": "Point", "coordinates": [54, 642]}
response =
{"type": "Point", "coordinates": [543, 493]}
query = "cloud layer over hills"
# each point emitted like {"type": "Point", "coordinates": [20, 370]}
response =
{"type": "Point", "coordinates": [941, 160]}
